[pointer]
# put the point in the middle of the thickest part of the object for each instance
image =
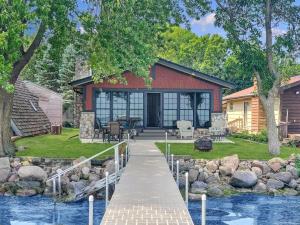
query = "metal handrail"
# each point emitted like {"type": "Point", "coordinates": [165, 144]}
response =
{"type": "Point", "coordinates": [84, 161]}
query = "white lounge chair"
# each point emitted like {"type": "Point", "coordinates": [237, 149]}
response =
{"type": "Point", "coordinates": [186, 128]}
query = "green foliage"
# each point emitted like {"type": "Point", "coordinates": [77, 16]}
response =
{"type": "Point", "coordinates": [245, 24]}
{"type": "Point", "coordinates": [261, 137]}
{"type": "Point", "coordinates": [297, 163]}
{"type": "Point", "coordinates": [209, 54]}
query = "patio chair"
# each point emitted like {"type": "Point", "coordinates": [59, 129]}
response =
{"type": "Point", "coordinates": [185, 128]}
{"type": "Point", "coordinates": [114, 131]}
{"type": "Point", "coordinates": [98, 129]}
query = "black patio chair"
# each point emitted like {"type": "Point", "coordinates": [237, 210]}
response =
{"type": "Point", "coordinates": [114, 131]}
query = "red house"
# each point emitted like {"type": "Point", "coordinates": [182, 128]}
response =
{"type": "Point", "coordinates": [177, 93]}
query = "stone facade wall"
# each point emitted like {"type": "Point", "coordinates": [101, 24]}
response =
{"type": "Point", "coordinates": [78, 106]}
{"type": "Point", "coordinates": [218, 120]}
{"type": "Point", "coordinates": [87, 124]}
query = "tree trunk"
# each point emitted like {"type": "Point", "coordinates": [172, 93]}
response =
{"type": "Point", "coordinates": [6, 103]}
{"type": "Point", "coordinates": [272, 130]}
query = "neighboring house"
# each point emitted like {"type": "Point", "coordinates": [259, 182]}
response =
{"type": "Point", "coordinates": [177, 93]}
{"type": "Point", "coordinates": [244, 111]}
{"type": "Point", "coordinates": [28, 118]}
{"type": "Point", "coordinates": [50, 102]}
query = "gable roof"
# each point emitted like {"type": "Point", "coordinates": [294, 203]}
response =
{"type": "Point", "coordinates": [28, 118]}
{"type": "Point", "coordinates": [248, 92]}
{"type": "Point", "coordinates": [174, 66]}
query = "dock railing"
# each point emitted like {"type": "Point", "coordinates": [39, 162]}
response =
{"type": "Point", "coordinates": [56, 179]}
{"type": "Point", "coordinates": [170, 160]}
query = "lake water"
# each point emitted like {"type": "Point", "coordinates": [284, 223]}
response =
{"type": "Point", "coordinates": [247, 209]}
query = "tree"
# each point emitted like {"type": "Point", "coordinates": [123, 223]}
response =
{"type": "Point", "coordinates": [66, 74]}
{"type": "Point", "coordinates": [250, 27]}
{"type": "Point", "coordinates": [209, 54]}
{"type": "Point", "coordinates": [119, 35]}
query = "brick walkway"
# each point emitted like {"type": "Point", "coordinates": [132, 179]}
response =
{"type": "Point", "coordinates": [147, 193]}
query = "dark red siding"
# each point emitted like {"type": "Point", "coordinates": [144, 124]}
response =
{"type": "Point", "coordinates": [290, 100]}
{"type": "Point", "coordinates": [165, 78]}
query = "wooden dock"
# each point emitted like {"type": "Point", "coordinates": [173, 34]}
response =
{"type": "Point", "coordinates": [147, 193]}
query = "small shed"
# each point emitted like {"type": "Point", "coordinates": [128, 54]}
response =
{"type": "Point", "coordinates": [50, 102]}
{"type": "Point", "coordinates": [28, 119]}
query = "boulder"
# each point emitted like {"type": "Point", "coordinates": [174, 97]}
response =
{"type": "Point", "coordinates": [243, 179]}
{"type": "Point", "coordinates": [13, 178]}
{"type": "Point", "coordinates": [74, 177]}
{"type": "Point", "coordinates": [202, 176]}
{"type": "Point", "coordinates": [231, 162]}
{"type": "Point", "coordinates": [211, 166]}
{"type": "Point", "coordinates": [193, 175]}
{"type": "Point", "coordinates": [262, 165]}
{"type": "Point", "coordinates": [285, 177]}
{"type": "Point", "coordinates": [76, 187]}
{"type": "Point", "coordinates": [195, 197]}
{"type": "Point", "coordinates": [225, 171]}
{"type": "Point", "coordinates": [32, 173]}
{"type": "Point", "coordinates": [109, 166]}
{"type": "Point", "coordinates": [198, 187]}
{"type": "Point", "coordinates": [4, 169]}
{"type": "Point", "coordinates": [257, 171]}
{"type": "Point", "coordinates": [80, 159]}
{"type": "Point", "coordinates": [289, 192]}
{"type": "Point", "coordinates": [213, 178]}
{"type": "Point", "coordinates": [245, 165]}
{"type": "Point", "coordinates": [26, 192]}
{"type": "Point", "coordinates": [36, 161]}
{"type": "Point", "coordinates": [293, 171]}
{"type": "Point", "coordinates": [260, 187]}
{"type": "Point", "coordinates": [293, 184]}
{"type": "Point", "coordinates": [274, 184]}
{"type": "Point", "coordinates": [276, 164]}
{"type": "Point", "coordinates": [85, 172]}
{"type": "Point", "coordinates": [214, 191]}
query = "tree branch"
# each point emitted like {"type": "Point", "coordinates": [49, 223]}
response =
{"type": "Point", "coordinates": [259, 86]}
{"type": "Point", "coordinates": [26, 56]}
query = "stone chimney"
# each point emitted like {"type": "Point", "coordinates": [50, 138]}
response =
{"type": "Point", "coordinates": [82, 69]}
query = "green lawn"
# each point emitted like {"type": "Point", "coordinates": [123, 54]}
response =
{"type": "Point", "coordinates": [245, 150]}
{"type": "Point", "coordinates": [60, 146]}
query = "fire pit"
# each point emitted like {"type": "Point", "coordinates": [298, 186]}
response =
{"type": "Point", "coordinates": [203, 144]}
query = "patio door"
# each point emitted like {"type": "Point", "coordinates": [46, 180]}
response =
{"type": "Point", "coordinates": [153, 110]}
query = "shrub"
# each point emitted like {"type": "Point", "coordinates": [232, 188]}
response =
{"type": "Point", "coordinates": [261, 137]}
{"type": "Point", "coordinates": [68, 124]}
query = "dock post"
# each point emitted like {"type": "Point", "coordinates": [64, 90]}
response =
{"type": "Point", "coordinates": [116, 172]}
{"type": "Point", "coordinates": [169, 152]}
{"type": "Point", "coordinates": [59, 185]}
{"type": "Point", "coordinates": [128, 139]}
{"type": "Point", "coordinates": [187, 189]}
{"type": "Point", "coordinates": [177, 172]}
{"type": "Point", "coordinates": [166, 146]}
{"type": "Point", "coordinates": [122, 161]}
{"type": "Point", "coordinates": [172, 164]}
{"type": "Point", "coordinates": [126, 155]}
{"type": "Point", "coordinates": [106, 189]}
{"type": "Point", "coordinates": [203, 210]}
{"type": "Point", "coordinates": [91, 210]}
{"type": "Point", "coordinates": [54, 186]}
{"type": "Point", "coordinates": [117, 158]}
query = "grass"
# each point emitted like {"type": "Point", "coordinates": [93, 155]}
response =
{"type": "Point", "coordinates": [245, 150]}
{"type": "Point", "coordinates": [66, 145]}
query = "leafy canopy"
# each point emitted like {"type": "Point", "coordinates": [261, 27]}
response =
{"type": "Point", "coordinates": [264, 34]}
{"type": "Point", "coordinates": [115, 35]}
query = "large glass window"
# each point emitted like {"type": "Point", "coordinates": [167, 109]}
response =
{"type": "Point", "coordinates": [136, 106]}
{"type": "Point", "coordinates": [119, 108]}
{"type": "Point", "coordinates": [103, 107]}
{"type": "Point", "coordinates": [203, 109]}
{"type": "Point", "coordinates": [170, 109]}
{"type": "Point", "coordinates": [187, 106]}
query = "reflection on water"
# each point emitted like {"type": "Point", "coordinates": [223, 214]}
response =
{"type": "Point", "coordinates": [247, 209]}
{"type": "Point", "coordinates": [42, 211]}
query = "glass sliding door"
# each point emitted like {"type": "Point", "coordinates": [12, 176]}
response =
{"type": "Point", "coordinates": [119, 106]}
{"type": "Point", "coordinates": [170, 105]}
{"type": "Point", "coordinates": [103, 107]}
{"type": "Point", "coordinates": [136, 106]}
{"type": "Point", "coordinates": [203, 109]}
{"type": "Point", "coordinates": [187, 106]}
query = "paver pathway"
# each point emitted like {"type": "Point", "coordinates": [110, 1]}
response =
{"type": "Point", "coordinates": [147, 193]}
